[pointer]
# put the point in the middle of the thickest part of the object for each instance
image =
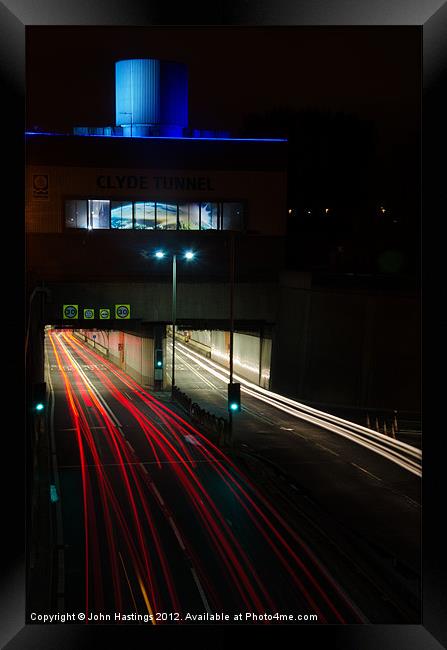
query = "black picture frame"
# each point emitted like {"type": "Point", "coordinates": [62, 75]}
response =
{"type": "Point", "coordinates": [14, 16]}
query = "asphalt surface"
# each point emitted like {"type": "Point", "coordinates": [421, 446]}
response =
{"type": "Point", "coordinates": [157, 521]}
{"type": "Point", "coordinates": [362, 492]}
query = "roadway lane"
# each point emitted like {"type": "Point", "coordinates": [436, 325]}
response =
{"type": "Point", "coordinates": [158, 520]}
{"type": "Point", "coordinates": [364, 493]}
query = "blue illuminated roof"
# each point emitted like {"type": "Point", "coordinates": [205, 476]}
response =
{"type": "Point", "coordinates": [154, 137]}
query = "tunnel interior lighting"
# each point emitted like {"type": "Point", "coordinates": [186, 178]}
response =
{"type": "Point", "coordinates": [159, 254]}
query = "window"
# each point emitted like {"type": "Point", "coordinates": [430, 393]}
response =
{"type": "Point", "coordinates": [232, 216]}
{"type": "Point", "coordinates": [121, 214]}
{"type": "Point", "coordinates": [188, 216]}
{"type": "Point", "coordinates": [167, 216]}
{"type": "Point", "coordinates": [144, 215]}
{"type": "Point", "coordinates": [76, 214]}
{"type": "Point", "coordinates": [209, 216]}
{"type": "Point", "coordinates": [98, 214]}
{"type": "Point", "coordinates": [150, 215]}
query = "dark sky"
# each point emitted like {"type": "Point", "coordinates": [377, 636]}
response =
{"type": "Point", "coordinates": [372, 72]}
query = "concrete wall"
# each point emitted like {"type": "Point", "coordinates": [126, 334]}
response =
{"type": "Point", "coordinates": [347, 348]}
{"type": "Point", "coordinates": [264, 193]}
{"type": "Point", "coordinates": [251, 357]}
{"type": "Point", "coordinates": [136, 357]}
{"type": "Point", "coordinates": [152, 301]}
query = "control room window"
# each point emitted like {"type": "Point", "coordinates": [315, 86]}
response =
{"type": "Point", "coordinates": [98, 214]}
{"type": "Point", "coordinates": [232, 217]}
{"type": "Point", "coordinates": [76, 214]}
{"type": "Point", "coordinates": [189, 216]}
{"type": "Point", "coordinates": [209, 216]}
{"type": "Point", "coordinates": [145, 215]}
{"type": "Point", "coordinates": [121, 214]}
{"type": "Point", "coordinates": [166, 216]}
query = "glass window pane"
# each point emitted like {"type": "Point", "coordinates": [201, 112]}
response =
{"type": "Point", "coordinates": [98, 214]}
{"type": "Point", "coordinates": [144, 215]}
{"type": "Point", "coordinates": [232, 216]}
{"type": "Point", "coordinates": [121, 214]}
{"type": "Point", "coordinates": [188, 216]}
{"type": "Point", "coordinates": [76, 214]}
{"type": "Point", "coordinates": [167, 216]}
{"type": "Point", "coordinates": [208, 213]}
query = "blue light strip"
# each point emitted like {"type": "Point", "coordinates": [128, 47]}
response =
{"type": "Point", "coordinates": [155, 137]}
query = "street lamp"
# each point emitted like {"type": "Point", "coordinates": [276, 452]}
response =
{"type": "Point", "coordinates": [187, 255]}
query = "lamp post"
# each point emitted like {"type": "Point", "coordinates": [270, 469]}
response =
{"type": "Point", "coordinates": [188, 255]}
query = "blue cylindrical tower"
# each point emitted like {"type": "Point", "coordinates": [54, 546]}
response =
{"type": "Point", "coordinates": [151, 92]}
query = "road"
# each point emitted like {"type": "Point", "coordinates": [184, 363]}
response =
{"type": "Point", "coordinates": [157, 521]}
{"type": "Point", "coordinates": [365, 494]}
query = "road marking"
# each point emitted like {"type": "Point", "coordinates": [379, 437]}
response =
{"type": "Point", "coordinates": [362, 469]}
{"type": "Point", "coordinates": [130, 446]}
{"type": "Point", "coordinates": [74, 429]}
{"type": "Point", "coordinates": [158, 494]}
{"type": "Point", "coordinates": [143, 468]}
{"type": "Point", "coordinates": [327, 449]}
{"type": "Point", "coordinates": [128, 582]}
{"type": "Point", "coordinates": [129, 397]}
{"type": "Point", "coordinates": [201, 592]}
{"type": "Point", "coordinates": [177, 534]}
{"type": "Point", "coordinates": [146, 462]}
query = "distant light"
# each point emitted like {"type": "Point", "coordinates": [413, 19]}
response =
{"type": "Point", "coordinates": [309, 212]}
{"type": "Point", "coordinates": [327, 210]}
{"type": "Point", "coordinates": [290, 211]}
{"type": "Point", "coordinates": [383, 210]}
{"type": "Point", "coordinates": [159, 254]}
{"type": "Point", "coordinates": [159, 364]}
{"type": "Point", "coordinates": [234, 406]}
{"type": "Point", "coordinates": [53, 494]}
{"type": "Point", "coordinates": [89, 228]}
{"type": "Point", "coordinates": [189, 255]}
{"type": "Point", "coordinates": [39, 406]}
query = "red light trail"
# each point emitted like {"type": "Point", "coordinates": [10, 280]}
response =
{"type": "Point", "coordinates": [134, 507]}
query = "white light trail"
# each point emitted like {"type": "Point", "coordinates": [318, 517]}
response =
{"type": "Point", "coordinates": [395, 451]}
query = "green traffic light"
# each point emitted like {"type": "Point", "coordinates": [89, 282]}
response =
{"type": "Point", "coordinates": [159, 364]}
{"type": "Point", "coordinates": [39, 407]}
{"type": "Point", "coordinates": [234, 406]}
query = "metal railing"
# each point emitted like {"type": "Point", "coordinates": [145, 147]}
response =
{"type": "Point", "coordinates": [209, 421]}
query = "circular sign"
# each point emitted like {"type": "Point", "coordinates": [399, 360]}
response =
{"type": "Point", "coordinates": [122, 311]}
{"type": "Point", "coordinates": [88, 313]}
{"type": "Point", "coordinates": [104, 313]}
{"type": "Point", "coordinates": [70, 311]}
{"type": "Point", "coordinates": [40, 182]}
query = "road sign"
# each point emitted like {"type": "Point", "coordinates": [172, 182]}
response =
{"type": "Point", "coordinates": [89, 313]}
{"type": "Point", "coordinates": [70, 311]}
{"type": "Point", "coordinates": [122, 311]}
{"type": "Point", "coordinates": [94, 336]}
{"type": "Point", "coordinates": [104, 314]}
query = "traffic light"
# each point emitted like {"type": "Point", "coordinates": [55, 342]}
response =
{"type": "Point", "coordinates": [234, 397]}
{"type": "Point", "coordinates": [159, 359]}
{"type": "Point", "coordinates": [39, 397]}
